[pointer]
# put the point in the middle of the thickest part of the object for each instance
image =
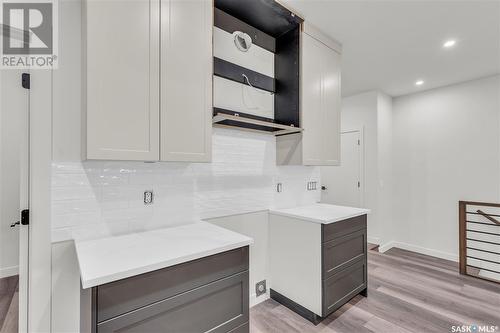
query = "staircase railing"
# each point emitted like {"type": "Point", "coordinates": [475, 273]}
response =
{"type": "Point", "coordinates": [479, 232]}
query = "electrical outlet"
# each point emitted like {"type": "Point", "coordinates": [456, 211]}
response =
{"type": "Point", "coordinates": [260, 288]}
{"type": "Point", "coordinates": [279, 187]}
{"type": "Point", "coordinates": [148, 197]}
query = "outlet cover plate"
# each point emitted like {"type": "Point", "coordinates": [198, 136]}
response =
{"type": "Point", "coordinates": [148, 197]}
{"type": "Point", "coordinates": [260, 288]}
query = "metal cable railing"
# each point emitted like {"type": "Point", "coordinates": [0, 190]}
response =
{"type": "Point", "coordinates": [479, 232]}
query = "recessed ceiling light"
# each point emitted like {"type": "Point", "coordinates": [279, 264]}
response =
{"type": "Point", "coordinates": [449, 43]}
{"type": "Point", "coordinates": [419, 82]}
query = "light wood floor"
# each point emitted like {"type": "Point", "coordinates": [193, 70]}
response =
{"type": "Point", "coordinates": [407, 292]}
{"type": "Point", "coordinates": [9, 291]}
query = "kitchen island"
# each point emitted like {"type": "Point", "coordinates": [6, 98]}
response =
{"type": "Point", "coordinates": [317, 257]}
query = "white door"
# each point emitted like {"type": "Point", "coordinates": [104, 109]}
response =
{"type": "Point", "coordinates": [14, 150]}
{"type": "Point", "coordinates": [344, 183]}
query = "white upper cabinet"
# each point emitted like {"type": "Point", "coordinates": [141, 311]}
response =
{"type": "Point", "coordinates": [331, 106]}
{"type": "Point", "coordinates": [319, 143]}
{"type": "Point", "coordinates": [186, 80]}
{"type": "Point", "coordinates": [312, 104]}
{"type": "Point", "coordinates": [122, 85]}
{"type": "Point", "coordinates": [128, 116]}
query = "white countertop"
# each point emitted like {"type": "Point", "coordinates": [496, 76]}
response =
{"type": "Point", "coordinates": [321, 213]}
{"type": "Point", "coordinates": [113, 258]}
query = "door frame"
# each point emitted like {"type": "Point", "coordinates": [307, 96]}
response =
{"type": "Point", "coordinates": [37, 317]}
{"type": "Point", "coordinates": [362, 175]}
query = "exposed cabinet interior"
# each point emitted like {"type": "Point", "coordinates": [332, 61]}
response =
{"type": "Point", "coordinates": [260, 86]}
{"type": "Point", "coordinates": [319, 143]}
{"type": "Point", "coordinates": [127, 116]}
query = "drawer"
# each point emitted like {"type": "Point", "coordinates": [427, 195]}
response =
{"type": "Point", "coordinates": [343, 251]}
{"type": "Point", "coordinates": [342, 286]}
{"type": "Point", "coordinates": [220, 306]}
{"type": "Point", "coordinates": [116, 298]}
{"type": "Point", "coordinates": [341, 228]}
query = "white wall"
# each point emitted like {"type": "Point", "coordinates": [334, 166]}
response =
{"type": "Point", "coordinates": [372, 112]}
{"type": "Point", "coordinates": [385, 170]}
{"type": "Point", "coordinates": [13, 100]}
{"type": "Point", "coordinates": [255, 225]}
{"type": "Point", "coordinates": [446, 149]}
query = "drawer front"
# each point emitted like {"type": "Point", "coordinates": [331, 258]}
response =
{"type": "Point", "coordinates": [343, 251]}
{"type": "Point", "coordinates": [116, 298]}
{"type": "Point", "coordinates": [341, 228]}
{"type": "Point", "coordinates": [221, 306]}
{"type": "Point", "coordinates": [344, 285]}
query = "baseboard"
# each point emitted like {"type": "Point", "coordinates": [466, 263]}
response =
{"type": "Point", "coordinates": [295, 307]}
{"type": "Point", "coordinates": [418, 249]}
{"type": "Point", "coordinates": [9, 271]}
{"type": "Point", "coordinates": [374, 240]}
{"type": "Point", "coordinates": [254, 300]}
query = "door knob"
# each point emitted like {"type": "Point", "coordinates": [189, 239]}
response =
{"type": "Point", "coordinates": [13, 225]}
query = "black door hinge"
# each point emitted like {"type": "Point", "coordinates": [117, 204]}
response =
{"type": "Point", "coordinates": [25, 80]}
{"type": "Point", "coordinates": [25, 217]}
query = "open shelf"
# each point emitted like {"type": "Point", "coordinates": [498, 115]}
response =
{"type": "Point", "coordinates": [250, 122]}
{"type": "Point", "coordinates": [236, 73]}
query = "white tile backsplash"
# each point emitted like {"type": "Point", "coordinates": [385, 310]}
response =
{"type": "Point", "coordinates": [99, 198]}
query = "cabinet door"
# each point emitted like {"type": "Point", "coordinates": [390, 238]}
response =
{"type": "Point", "coordinates": [122, 41]}
{"type": "Point", "coordinates": [331, 104]}
{"type": "Point", "coordinates": [186, 80]}
{"type": "Point", "coordinates": [311, 110]}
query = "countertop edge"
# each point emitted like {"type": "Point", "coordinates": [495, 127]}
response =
{"type": "Point", "coordinates": [93, 282]}
{"type": "Point", "coordinates": [310, 219]}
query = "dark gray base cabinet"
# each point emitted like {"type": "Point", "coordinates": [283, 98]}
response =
{"type": "Point", "coordinates": [336, 251]}
{"type": "Point", "coordinates": [344, 262]}
{"type": "Point", "coordinates": [208, 294]}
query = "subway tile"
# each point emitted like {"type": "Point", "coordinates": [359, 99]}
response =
{"type": "Point", "coordinates": [101, 198]}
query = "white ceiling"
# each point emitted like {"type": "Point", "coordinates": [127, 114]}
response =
{"type": "Point", "coordinates": [388, 45]}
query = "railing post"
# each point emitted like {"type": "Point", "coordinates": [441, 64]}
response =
{"type": "Point", "coordinates": [462, 236]}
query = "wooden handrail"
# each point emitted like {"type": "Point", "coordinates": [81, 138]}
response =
{"type": "Point", "coordinates": [472, 268]}
{"type": "Point", "coordinates": [489, 217]}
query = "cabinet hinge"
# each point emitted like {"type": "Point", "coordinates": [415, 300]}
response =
{"type": "Point", "coordinates": [25, 80]}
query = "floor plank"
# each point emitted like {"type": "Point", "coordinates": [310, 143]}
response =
{"type": "Point", "coordinates": [9, 304]}
{"type": "Point", "coordinates": [407, 292]}
{"type": "Point", "coordinates": [11, 322]}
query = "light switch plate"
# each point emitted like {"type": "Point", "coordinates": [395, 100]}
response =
{"type": "Point", "coordinates": [312, 186]}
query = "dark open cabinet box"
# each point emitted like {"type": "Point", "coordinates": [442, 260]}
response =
{"type": "Point", "coordinates": [276, 29]}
